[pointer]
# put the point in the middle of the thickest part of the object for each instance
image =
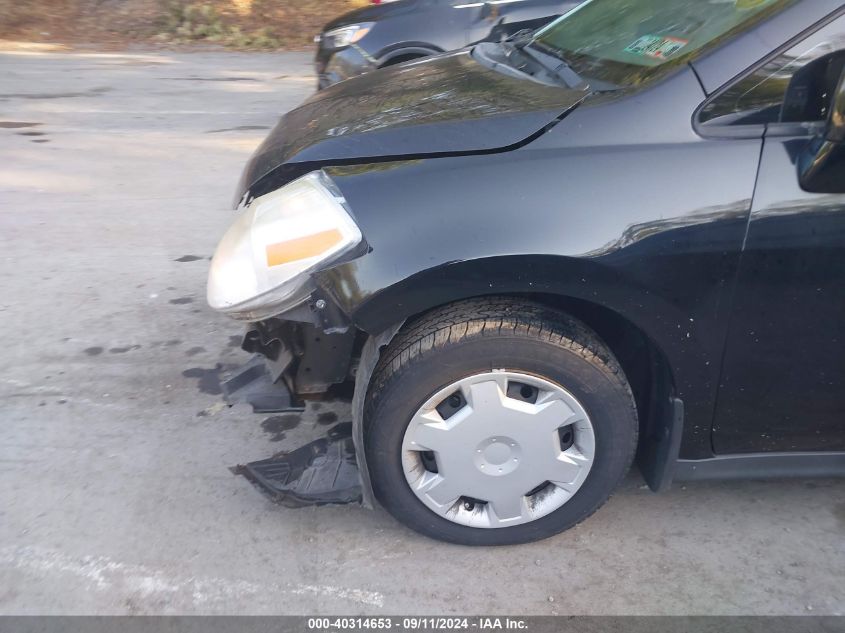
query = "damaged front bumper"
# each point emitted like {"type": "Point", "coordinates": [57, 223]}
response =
{"type": "Point", "coordinates": [298, 356]}
{"type": "Point", "coordinates": [300, 353]}
{"type": "Point", "coordinates": [322, 472]}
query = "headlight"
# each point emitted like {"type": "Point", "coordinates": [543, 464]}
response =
{"type": "Point", "coordinates": [346, 35]}
{"type": "Point", "coordinates": [262, 264]}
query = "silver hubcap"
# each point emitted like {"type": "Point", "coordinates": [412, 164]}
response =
{"type": "Point", "coordinates": [497, 449]}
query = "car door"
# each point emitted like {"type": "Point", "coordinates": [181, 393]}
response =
{"type": "Point", "coordinates": [782, 385]}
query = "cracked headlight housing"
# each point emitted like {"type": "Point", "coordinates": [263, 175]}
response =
{"type": "Point", "coordinates": [263, 263]}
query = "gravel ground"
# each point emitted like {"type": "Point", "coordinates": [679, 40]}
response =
{"type": "Point", "coordinates": [116, 172]}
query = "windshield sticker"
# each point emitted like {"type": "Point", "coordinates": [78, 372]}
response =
{"type": "Point", "coordinates": [656, 46]}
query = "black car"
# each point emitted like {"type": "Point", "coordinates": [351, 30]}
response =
{"type": "Point", "coordinates": [395, 32]}
{"type": "Point", "coordinates": [539, 259]}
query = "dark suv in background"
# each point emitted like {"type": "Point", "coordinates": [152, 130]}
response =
{"type": "Point", "coordinates": [386, 34]}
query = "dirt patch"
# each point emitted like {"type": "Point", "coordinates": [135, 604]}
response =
{"type": "Point", "coordinates": [209, 79]}
{"type": "Point", "coordinates": [93, 92]}
{"type": "Point", "coordinates": [275, 426]}
{"type": "Point", "coordinates": [110, 24]}
{"type": "Point", "coordinates": [208, 379]}
{"type": "Point", "coordinates": [839, 513]}
{"type": "Point", "coordinates": [327, 418]}
{"type": "Point", "coordinates": [123, 350]}
{"type": "Point", "coordinates": [17, 124]}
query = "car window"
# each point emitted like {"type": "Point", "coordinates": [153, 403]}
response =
{"type": "Point", "coordinates": [795, 86]}
{"type": "Point", "coordinates": [628, 42]}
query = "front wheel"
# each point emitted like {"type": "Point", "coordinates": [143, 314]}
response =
{"type": "Point", "coordinates": [497, 421]}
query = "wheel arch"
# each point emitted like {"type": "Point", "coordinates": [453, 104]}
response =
{"type": "Point", "coordinates": [643, 356]}
{"type": "Point", "coordinates": [601, 295]}
{"type": "Point", "coordinates": [643, 362]}
{"type": "Point", "coordinates": [397, 53]}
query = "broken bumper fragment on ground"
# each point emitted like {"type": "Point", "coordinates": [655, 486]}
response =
{"type": "Point", "coordinates": [321, 472]}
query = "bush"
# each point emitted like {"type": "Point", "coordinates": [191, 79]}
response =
{"type": "Point", "coordinates": [197, 22]}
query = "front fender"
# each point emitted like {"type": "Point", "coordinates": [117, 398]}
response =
{"type": "Point", "coordinates": [384, 314]}
{"type": "Point", "coordinates": [689, 347]}
{"type": "Point", "coordinates": [665, 321]}
{"type": "Point", "coordinates": [443, 229]}
{"type": "Point", "coordinates": [449, 228]}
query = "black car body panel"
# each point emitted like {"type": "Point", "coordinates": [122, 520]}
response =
{"type": "Point", "coordinates": [412, 28]}
{"type": "Point", "coordinates": [446, 104]}
{"type": "Point", "coordinates": [662, 258]}
{"type": "Point", "coordinates": [705, 243]}
{"type": "Point", "coordinates": [783, 375]}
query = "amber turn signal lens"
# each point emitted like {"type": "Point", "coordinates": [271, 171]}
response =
{"type": "Point", "coordinates": [302, 247]}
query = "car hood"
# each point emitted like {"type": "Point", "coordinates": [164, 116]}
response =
{"type": "Point", "coordinates": [439, 106]}
{"type": "Point", "coordinates": [371, 13]}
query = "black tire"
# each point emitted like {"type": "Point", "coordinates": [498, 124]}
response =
{"type": "Point", "coordinates": [477, 335]}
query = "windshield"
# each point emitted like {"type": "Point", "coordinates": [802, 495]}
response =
{"type": "Point", "coordinates": [628, 42]}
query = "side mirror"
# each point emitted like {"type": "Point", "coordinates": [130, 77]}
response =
{"type": "Point", "coordinates": [822, 165]}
